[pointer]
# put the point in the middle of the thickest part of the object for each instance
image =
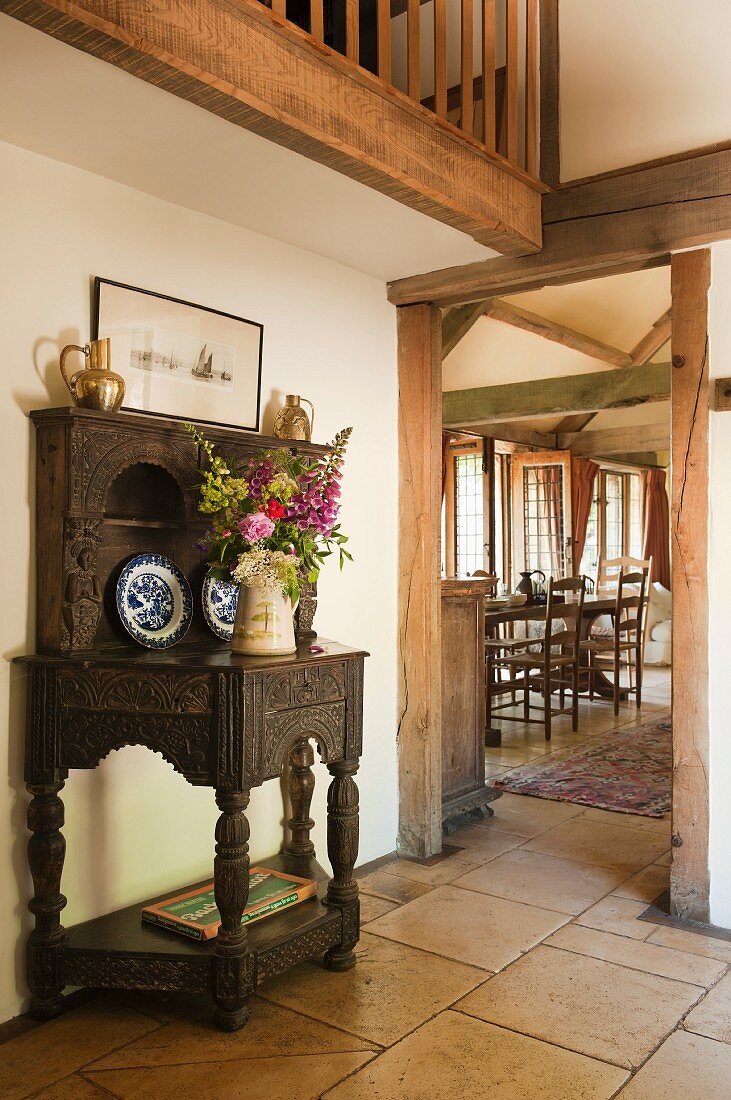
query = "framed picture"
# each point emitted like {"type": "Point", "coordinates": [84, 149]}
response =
{"type": "Point", "coordinates": [181, 360]}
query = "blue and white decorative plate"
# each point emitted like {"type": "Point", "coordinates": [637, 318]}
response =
{"type": "Point", "coordinates": [154, 601]}
{"type": "Point", "coordinates": [219, 606]}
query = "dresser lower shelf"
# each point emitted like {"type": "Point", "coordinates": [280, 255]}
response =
{"type": "Point", "coordinates": [119, 951]}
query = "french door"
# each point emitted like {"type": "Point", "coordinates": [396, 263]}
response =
{"type": "Point", "coordinates": [541, 507]}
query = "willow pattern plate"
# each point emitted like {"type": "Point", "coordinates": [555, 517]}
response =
{"type": "Point", "coordinates": [220, 600]}
{"type": "Point", "coordinates": [154, 601]}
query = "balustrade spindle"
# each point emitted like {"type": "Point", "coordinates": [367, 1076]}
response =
{"type": "Point", "coordinates": [511, 80]}
{"type": "Point", "coordinates": [352, 30]}
{"type": "Point", "coordinates": [317, 22]}
{"type": "Point", "coordinates": [440, 58]}
{"type": "Point", "coordinates": [531, 87]}
{"type": "Point", "coordinates": [384, 40]}
{"type": "Point", "coordinates": [467, 94]}
{"type": "Point", "coordinates": [488, 73]}
{"type": "Point", "coordinates": [413, 59]}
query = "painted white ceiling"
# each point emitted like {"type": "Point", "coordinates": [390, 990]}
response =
{"type": "Point", "coordinates": [74, 108]}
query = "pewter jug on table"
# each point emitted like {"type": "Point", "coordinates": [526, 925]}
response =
{"type": "Point", "coordinates": [95, 386]}
{"type": "Point", "coordinates": [526, 584]}
{"type": "Point", "coordinates": [292, 422]}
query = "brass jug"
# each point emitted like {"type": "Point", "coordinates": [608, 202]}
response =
{"type": "Point", "coordinates": [95, 386]}
{"type": "Point", "coordinates": [292, 422]}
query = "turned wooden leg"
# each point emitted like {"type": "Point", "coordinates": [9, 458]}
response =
{"type": "Point", "coordinates": [342, 850]}
{"type": "Point", "coordinates": [301, 786]}
{"type": "Point", "coordinates": [46, 850]}
{"type": "Point", "coordinates": [234, 977]}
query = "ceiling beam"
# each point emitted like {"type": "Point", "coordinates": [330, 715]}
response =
{"type": "Point", "coordinates": [608, 441]}
{"type": "Point", "coordinates": [246, 64]}
{"type": "Point", "coordinates": [514, 433]}
{"type": "Point", "coordinates": [651, 343]}
{"type": "Point", "coordinates": [555, 396]}
{"type": "Point", "coordinates": [457, 322]}
{"type": "Point", "coordinates": [513, 315]}
{"type": "Point", "coordinates": [599, 226]}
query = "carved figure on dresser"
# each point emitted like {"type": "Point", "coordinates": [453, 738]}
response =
{"type": "Point", "coordinates": [82, 596]}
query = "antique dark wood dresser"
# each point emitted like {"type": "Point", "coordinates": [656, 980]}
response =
{"type": "Point", "coordinates": [110, 487]}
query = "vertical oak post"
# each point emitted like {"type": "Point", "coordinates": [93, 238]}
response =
{"type": "Point", "coordinates": [550, 158]}
{"type": "Point", "coordinates": [689, 880]}
{"type": "Point", "coordinates": [420, 462]}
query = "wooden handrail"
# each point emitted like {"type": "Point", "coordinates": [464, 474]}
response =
{"type": "Point", "coordinates": [507, 95]}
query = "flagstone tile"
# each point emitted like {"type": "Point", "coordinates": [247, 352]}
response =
{"type": "Point", "coordinates": [391, 990]}
{"type": "Point", "coordinates": [161, 1006]}
{"type": "Point", "coordinates": [686, 1067]}
{"type": "Point", "coordinates": [436, 874]}
{"type": "Point", "coordinates": [74, 1087]}
{"type": "Point", "coordinates": [383, 884]}
{"type": "Point", "coordinates": [270, 1032]}
{"type": "Point", "coordinates": [712, 1017]}
{"type": "Point", "coordinates": [646, 885]}
{"type": "Point", "coordinates": [470, 927]}
{"type": "Point", "coordinates": [692, 942]}
{"type": "Point", "coordinates": [629, 821]}
{"type": "Point", "coordinates": [618, 915]}
{"type": "Point", "coordinates": [67, 1043]}
{"type": "Point", "coordinates": [638, 955]}
{"type": "Point", "coordinates": [544, 881]}
{"type": "Point", "coordinates": [456, 1056]}
{"type": "Point", "coordinates": [305, 1077]}
{"type": "Point", "coordinates": [529, 817]}
{"type": "Point", "coordinates": [372, 907]}
{"type": "Point", "coordinates": [594, 1007]}
{"type": "Point", "coordinates": [605, 845]}
{"type": "Point", "coordinates": [484, 842]}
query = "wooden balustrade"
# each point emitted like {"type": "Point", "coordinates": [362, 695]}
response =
{"type": "Point", "coordinates": [496, 107]}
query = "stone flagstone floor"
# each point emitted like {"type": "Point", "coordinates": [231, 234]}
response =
{"type": "Point", "coordinates": [514, 968]}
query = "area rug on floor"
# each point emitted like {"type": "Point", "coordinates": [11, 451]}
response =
{"type": "Point", "coordinates": [628, 771]}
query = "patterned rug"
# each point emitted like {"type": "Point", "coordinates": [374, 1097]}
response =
{"type": "Point", "coordinates": [629, 772]}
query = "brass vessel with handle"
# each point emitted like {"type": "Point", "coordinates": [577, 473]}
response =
{"type": "Point", "coordinates": [95, 386]}
{"type": "Point", "coordinates": [292, 422]}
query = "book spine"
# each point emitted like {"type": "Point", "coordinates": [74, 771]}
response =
{"type": "Point", "coordinates": [184, 929]}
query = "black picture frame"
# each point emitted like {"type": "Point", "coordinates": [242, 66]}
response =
{"type": "Point", "coordinates": [253, 370]}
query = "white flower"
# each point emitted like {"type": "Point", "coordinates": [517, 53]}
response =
{"type": "Point", "coordinates": [262, 568]}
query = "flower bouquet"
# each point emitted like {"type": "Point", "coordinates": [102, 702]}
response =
{"type": "Point", "coordinates": [273, 522]}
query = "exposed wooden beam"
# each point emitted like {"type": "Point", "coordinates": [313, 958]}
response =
{"type": "Point", "coordinates": [608, 441]}
{"type": "Point", "coordinates": [511, 314]}
{"type": "Point", "coordinates": [553, 396]}
{"type": "Point", "coordinates": [599, 226]}
{"type": "Point", "coordinates": [242, 62]}
{"type": "Point", "coordinates": [550, 160]}
{"type": "Point", "coordinates": [514, 433]}
{"type": "Point", "coordinates": [689, 876]}
{"type": "Point", "coordinates": [634, 458]}
{"type": "Point", "coordinates": [457, 322]}
{"type": "Point", "coordinates": [652, 341]}
{"type": "Point", "coordinates": [575, 423]}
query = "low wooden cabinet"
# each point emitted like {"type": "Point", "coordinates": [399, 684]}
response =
{"type": "Point", "coordinates": [222, 721]}
{"type": "Point", "coordinates": [463, 700]}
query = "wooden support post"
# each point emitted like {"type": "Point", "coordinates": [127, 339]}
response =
{"type": "Point", "coordinates": [689, 880]}
{"type": "Point", "coordinates": [419, 728]}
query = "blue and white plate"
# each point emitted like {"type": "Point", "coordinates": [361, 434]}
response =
{"type": "Point", "coordinates": [154, 601]}
{"type": "Point", "coordinates": [219, 606]}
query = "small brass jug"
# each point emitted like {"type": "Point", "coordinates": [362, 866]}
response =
{"type": "Point", "coordinates": [292, 422]}
{"type": "Point", "coordinates": [95, 386]}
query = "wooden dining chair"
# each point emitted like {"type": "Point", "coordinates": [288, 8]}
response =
{"type": "Point", "coordinates": [625, 643]}
{"type": "Point", "coordinates": [548, 663]}
{"type": "Point", "coordinates": [607, 576]}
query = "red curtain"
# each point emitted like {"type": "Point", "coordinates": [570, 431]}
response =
{"type": "Point", "coordinates": [657, 526]}
{"type": "Point", "coordinates": [583, 476]}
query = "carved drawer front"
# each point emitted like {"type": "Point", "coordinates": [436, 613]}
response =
{"type": "Point", "coordinates": [326, 724]}
{"type": "Point", "coordinates": [325, 683]}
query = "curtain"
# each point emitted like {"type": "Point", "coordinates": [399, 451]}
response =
{"type": "Point", "coordinates": [657, 526]}
{"type": "Point", "coordinates": [583, 476]}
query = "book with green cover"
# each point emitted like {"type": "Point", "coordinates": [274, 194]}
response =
{"type": "Point", "coordinates": [194, 913]}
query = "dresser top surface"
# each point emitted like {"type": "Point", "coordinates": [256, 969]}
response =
{"type": "Point", "coordinates": [218, 659]}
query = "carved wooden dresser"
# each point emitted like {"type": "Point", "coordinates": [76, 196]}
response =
{"type": "Point", "coordinates": [109, 487]}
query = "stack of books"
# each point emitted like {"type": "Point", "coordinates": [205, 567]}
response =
{"type": "Point", "coordinates": [194, 913]}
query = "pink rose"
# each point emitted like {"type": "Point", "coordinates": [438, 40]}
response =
{"type": "Point", "coordinates": [257, 527]}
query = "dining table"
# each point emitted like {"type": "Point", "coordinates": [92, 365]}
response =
{"type": "Point", "coordinates": [594, 607]}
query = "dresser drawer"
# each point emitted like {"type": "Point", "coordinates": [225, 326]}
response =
{"type": "Point", "coordinates": [297, 687]}
{"type": "Point", "coordinates": [325, 722]}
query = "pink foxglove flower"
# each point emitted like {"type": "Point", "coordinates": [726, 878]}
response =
{"type": "Point", "coordinates": [256, 527]}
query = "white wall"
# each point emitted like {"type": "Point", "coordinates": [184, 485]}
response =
{"type": "Point", "coordinates": [719, 540]}
{"type": "Point", "coordinates": [641, 80]}
{"type": "Point", "coordinates": [135, 826]}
